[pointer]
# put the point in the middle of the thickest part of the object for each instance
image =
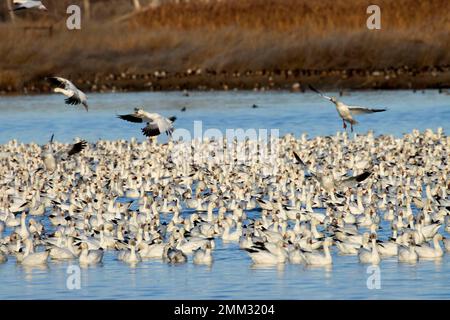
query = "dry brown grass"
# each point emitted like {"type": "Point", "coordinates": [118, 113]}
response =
{"type": "Point", "coordinates": [231, 35]}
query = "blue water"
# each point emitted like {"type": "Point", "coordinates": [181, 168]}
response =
{"type": "Point", "coordinates": [232, 276]}
{"type": "Point", "coordinates": [35, 118]}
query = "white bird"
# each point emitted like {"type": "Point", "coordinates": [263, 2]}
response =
{"type": "Point", "coordinates": [74, 95]}
{"type": "Point", "coordinates": [130, 256]}
{"type": "Point", "coordinates": [203, 256]}
{"type": "Point", "coordinates": [319, 259]}
{"type": "Point", "coordinates": [370, 256]}
{"type": "Point", "coordinates": [430, 252]}
{"type": "Point", "coordinates": [347, 112]}
{"type": "Point", "coordinates": [329, 183]}
{"type": "Point", "coordinates": [90, 257]}
{"type": "Point", "coordinates": [50, 158]}
{"type": "Point", "coordinates": [156, 123]}
{"type": "Point", "coordinates": [31, 258]}
{"type": "Point", "coordinates": [408, 254]}
{"type": "Point", "coordinates": [28, 4]}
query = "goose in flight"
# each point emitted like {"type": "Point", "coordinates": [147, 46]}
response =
{"type": "Point", "coordinates": [51, 158]}
{"type": "Point", "coordinates": [329, 183]}
{"type": "Point", "coordinates": [156, 123]}
{"type": "Point", "coordinates": [28, 4]}
{"type": "Point", "coordinates": [346, 112]}
{"type": "Point", "coordinates": [74, 95]}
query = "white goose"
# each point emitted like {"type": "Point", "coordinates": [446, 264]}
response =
{"type": "Point", "coordinates": [318, 259]}
{"type": "Point", "coordinates": [31, 258]}
{"type": "Point", "coordinates": [370, 256]}
{"type": "Point", "coordinates": [203, 256]}
{"type": "Point", "coordinates": [51, 159]}
{"type": "Point", "coordinates": [156, 123]}
{"type": "Point", "coordinates": [74, 95]}
{"type": "Point", "coordinates": [28, 4]}
{"type": "Point", "coordinates": [408, 254]}
{"type": "Point", "coordinates": [347, 112]}
{"type": "Point", "coordinates": [90, 257]}
{"type": "Point", "coordinates": [425, 251]}
{"type": "Point", "coordinates": [130, 256]}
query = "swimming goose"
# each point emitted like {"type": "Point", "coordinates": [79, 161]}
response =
{"type": "Point", "coordinates": [74, 95]}
{"type": "Point", "coordinates": [408, 253]}
{"type": "Point", "coordinates": [173, 255]}
{"type": "Point", "coordinates": [347, 112]}
{"type": "Point", "coordinates": [31, 258]}
{"type": "Point", "coordinates": [153, 250]}
{"type": "Point", "coordinates": [90, 257]}
{"type": "Point", "coordinates": [425, 251]}
{"type": "Point", "coordinates": [203, 256]}
{"type": "Point", "coordinates": [130, 256]}
{"type": "Point", "coordinates": [319, 259]}
{"type": "Point", "coordinates": [261, 255]}
{"type": "Point", "coordinates": [296, 256]}
{"type": "Point", "coordinates": [370, 256]}
{"type": "Point", "coordinates": [28, 4]}
{"type": "Point", "coordinates": [156, 123]}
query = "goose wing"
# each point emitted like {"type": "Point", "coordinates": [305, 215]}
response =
{"type": "Point", "coordinates": [314, 174]}
{"type": "Point", "coordinates": [77, 147]}
{"type": "Point", "coordinates": [74, 149]}
{"type": "Point", "coordinates": [23, 4]}
{"type": "Point", "coordinates": [361, 110]}
{"type": "Point", "coordinates": [131, 118]}
{"type": "Point", "coordinates": [158, 124]}
{"type": "Point", "coordinates": [351, 181]}
{"type": "Point", "coordinates": [62, 83]}
{"type": "Point", "coordinates": [319, 93]}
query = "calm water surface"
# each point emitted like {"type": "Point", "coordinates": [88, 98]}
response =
{"type": "Point", "coordinates": [232, 276]}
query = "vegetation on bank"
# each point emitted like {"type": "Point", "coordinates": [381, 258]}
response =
{"type": "Point", "coordinates": [228, 38]}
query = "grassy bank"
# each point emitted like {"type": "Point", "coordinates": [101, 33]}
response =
{"type": "Point", "coordinates": [233, 44]}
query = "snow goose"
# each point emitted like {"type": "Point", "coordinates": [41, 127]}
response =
{"type": "Point", "coordinates": [31, 258]}
{"type": "Point", "coordinates": [370, 256]}
{"type": "Point", "coordinates": [425, 251]}
{"type": "Point", "coordinates": [296, 256]}
{"type": "Point", "coordinates": [51, 159]}
{"type": "Point", "coordinates": [347, 112]}
{"type": "Point", "coordinates": [28, 4]}
{"type": "Point", "coordinates": [408, 253]}
{"type": "Point", "coordinates": [329, 183]}
{"type": "Point", "coordinates": [74, 95]}
{"type": "Point", "coordinates": [150, 251]}
{"type": "Point", "coordinates": [263, 256]}
{"type": "Point", "coordinates": [130, 256]}
{"type": "Point", "coordinates": [172, 255]}
{"type": "Point", "coordinates": [203, 256]}
{"type": "Point", "coordinates": [90, 257]}
{"type": "Point", "coordinates": [156, 123]}
{"type": "Point", "coordinates": [319, 259]}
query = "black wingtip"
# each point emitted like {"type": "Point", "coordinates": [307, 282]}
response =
{"type": "Point", "coordinates": [313, 89]}
{"type": "Point", "coordinates": [173, 118]}
{"type": "Point", "coordinates": [363, 176]}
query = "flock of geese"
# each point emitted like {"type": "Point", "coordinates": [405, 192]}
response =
{"type": "Point", "coordinates": [372, 197]}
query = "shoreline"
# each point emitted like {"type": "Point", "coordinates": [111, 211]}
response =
{"type": "Point", "coordinates": [262, 80]}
